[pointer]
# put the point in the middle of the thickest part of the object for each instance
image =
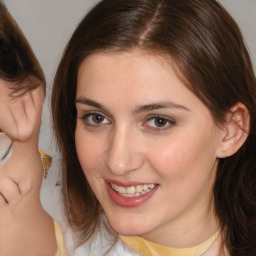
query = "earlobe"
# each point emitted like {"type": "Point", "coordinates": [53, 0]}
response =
{"type": "Point", "coordinates": [236, 130]}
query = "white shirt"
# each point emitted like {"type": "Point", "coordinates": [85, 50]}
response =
{"type": "Point", "coordinates": [5, 148]}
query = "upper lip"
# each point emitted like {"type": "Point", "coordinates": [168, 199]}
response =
{"type": "Point", "coordinates": [128, 183]}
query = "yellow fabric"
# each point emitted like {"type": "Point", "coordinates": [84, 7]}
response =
{"type": "Point", "coordinates": [60, 241]}
{"type": "Point", "coordinates": [147, 248]}
{"type": "Point", "coordinates": [46, 161]}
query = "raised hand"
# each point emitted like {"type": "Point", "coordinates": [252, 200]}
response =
{"type": "Point", "coordinates": [25, 227]}
{"type": "Point", "coordinates": [20, 116]}
{"type": "Point", "coordinates": [20, 112]}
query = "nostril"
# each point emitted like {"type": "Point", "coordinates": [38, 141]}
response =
{"type": "Point", "coordinates": [123, 156]}
{"type": "Point", "coordinates": [124, 165]}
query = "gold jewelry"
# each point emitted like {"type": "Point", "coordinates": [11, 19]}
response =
{"type": "Point", "coordinates": [46, 162]}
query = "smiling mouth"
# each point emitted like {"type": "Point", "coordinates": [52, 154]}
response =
{"type": "Point", "coordinates": [133, 191]}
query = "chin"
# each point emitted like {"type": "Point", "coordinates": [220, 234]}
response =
{"type": "Point", "coordinates": [129, 227]}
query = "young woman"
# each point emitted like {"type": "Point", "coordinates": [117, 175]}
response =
{"type": "Point", "coordinates": [154, 106]}
{"type": "Point", "coordinates": [26, 229]}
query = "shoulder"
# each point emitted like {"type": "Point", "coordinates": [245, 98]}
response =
{"type": "Point", "coordinates": [61, 250]}
{"type": "Point", "coordinates": [215, 249]}
{"type": "Point", "coordinates": [103, 244]}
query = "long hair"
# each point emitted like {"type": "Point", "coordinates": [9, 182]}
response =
{"type": "Point", "coordinates": [17, 60]}
{"type": "Point", "coordinates": [208, 49]}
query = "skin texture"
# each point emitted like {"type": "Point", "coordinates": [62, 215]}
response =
{"type": "Point", "coordinates": [21, 213]}
{"type": "Point", "coordinates": [20, 110]}
{"type": "Point", "coordinates": [124, 142]}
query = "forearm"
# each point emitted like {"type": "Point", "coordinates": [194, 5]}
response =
{"type": "Point", "coordinates": [26, 229]}
{"type": "Point", "coordinates": [25, 226]}
{"type": "Point", "coordinates": [24, 168]}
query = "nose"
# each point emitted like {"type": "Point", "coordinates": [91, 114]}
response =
{"type": "Point", "coordinates": [124, 153]}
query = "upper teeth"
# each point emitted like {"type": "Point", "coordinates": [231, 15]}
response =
{"type": "Point", "coordinates": [133, 190]}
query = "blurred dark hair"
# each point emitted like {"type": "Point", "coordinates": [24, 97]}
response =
{"type": "Point", "coordinates": [207, 47]}
{"type": "Point", "coordinates": [17, 60]}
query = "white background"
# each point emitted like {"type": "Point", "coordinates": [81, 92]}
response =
{"type": "Point", "coordinates": [48, 24]}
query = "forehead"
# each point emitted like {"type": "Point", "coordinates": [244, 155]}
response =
{"type": "Point", "coordinates": [136, 69]}
{"type": "Point", "coordinates": [120, 68]}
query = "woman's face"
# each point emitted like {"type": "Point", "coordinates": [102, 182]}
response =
{"type": "Point", "coordinates": [147, 145]}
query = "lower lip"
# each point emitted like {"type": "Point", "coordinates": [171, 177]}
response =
{"type": "Point", "coordinates": [129, 202]}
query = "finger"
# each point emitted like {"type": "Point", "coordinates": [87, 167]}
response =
{"type": "Point", "coordinates": [3, 201]}
{"type": "Point", "coordinates": [30, 110]}
{"type": "Point", "coordinates": [21, 115]}
{"type": "Point", "coordinates": [9, 189]}
{"type": "Point", "coordinates": [7, 122]}
{"type": "Point", "coordinates": [23, 112]}
{"type": "Point", "coordinates": [12, 115]}
{"type": "Point", "coordinates": [18, 112]}
{"type": "Point", "coordinates": [27, 113]}
{"type": "Point", "coordinates": [24, 115]}
{"type": "Point", "coordinates": [38, 97]}
{"type": "Point", "coordinates": [25, 186]}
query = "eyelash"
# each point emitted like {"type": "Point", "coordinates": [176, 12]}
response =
{"type": "Point", "coordinates": [167, 122]}
{"type": "Point", "coordinates": [88, 115]}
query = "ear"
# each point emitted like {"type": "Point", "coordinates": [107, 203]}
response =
{"type": "Point", "coordinates": [236, 130]}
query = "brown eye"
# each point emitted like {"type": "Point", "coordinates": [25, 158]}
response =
{"type": "Point", "coordinates": [160, 122]}
{"type": "Point", "coordinates": [97, 119]}
{"type": "Point", "coordinates": [94, 119]}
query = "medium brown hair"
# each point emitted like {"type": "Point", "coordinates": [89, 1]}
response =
{"type": "Point", "coordinates": [208, 49]}
{"type": "Point", "coordinates": [18, 63]}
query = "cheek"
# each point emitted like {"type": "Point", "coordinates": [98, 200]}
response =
{"type": "Point", "coordinates": [169, 159]}
{"type": "Point", "coordinates": [182, 158]}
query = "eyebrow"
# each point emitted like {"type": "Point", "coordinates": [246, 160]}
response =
{"type": "Point", "coordinates": [137, 110]}
{"type": "Point", "coordinates": [92, 103]}
{"type": "Point", "coordinates": [160, 105]}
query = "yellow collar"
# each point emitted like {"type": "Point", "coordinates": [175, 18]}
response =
{"type": "Point", "coordinates": [147, 248]}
